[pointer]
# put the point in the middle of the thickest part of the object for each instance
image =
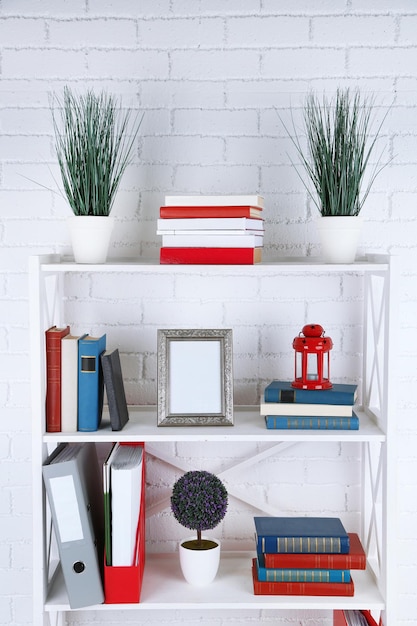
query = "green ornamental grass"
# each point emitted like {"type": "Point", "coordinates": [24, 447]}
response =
{"type": "Point", "coordinates": [93, 147]}
{"type": "Point", "coordinates": [339, 151]}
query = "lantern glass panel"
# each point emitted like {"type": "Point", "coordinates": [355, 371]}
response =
{"type": "Point", "coordinates": [312, 366]}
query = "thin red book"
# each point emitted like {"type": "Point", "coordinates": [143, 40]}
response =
{"type": "Point", "coordinates": [299, 589]}
{"type": "Point", "coordinates": [211, 256]}
{"type": "Point", "coordinates": [340, 618]}
{"type": "Point", "coordinates": [209, 211]}
{"type": "Point", "coordinates": [355, 559]}
{"type": "Point", "coordinates": [53, 337]}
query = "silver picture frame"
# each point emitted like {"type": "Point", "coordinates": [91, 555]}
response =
{"type": "Point", "coordinates": [195, 377]}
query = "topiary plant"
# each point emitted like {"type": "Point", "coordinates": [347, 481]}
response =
{"type": "Point", "coordinates": [199, 501]}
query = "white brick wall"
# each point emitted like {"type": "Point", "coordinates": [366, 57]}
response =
{"type": "Point", "coordinates": [208, 75]}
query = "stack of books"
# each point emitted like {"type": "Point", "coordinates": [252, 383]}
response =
{"type": "Point", "coordinates": [78, 368]}
{"type": "Point", "coordinates": [324, 409]}
{"type": "Point", "coordinates": [305, 556]}
{"type": "Point", "coordinates": [211, 229]}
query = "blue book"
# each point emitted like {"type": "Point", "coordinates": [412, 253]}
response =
{"type": "Point", "coordinates": [90, 382]}
{"type": "Point", "coordinates": [283, 575]}
{"type": "Point", "coordinates": [282, 391]}
{"type": "Point", "coordinates": [293, 422]}
{"type": "Point", "coordinates": [301, 535]}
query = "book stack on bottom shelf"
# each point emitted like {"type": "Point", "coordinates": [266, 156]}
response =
{"type": "Point", "coordinates": [285, 407]}
{"type": "Point", "coordinates": [352, 617]}
{"type": "Point", "coordinates": [211, 230]}
{"type": "Point", "coordinates": [306, 556]}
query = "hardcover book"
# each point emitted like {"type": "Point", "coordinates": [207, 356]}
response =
{"type": "Point", "coordinates": [263, 588]}
{"type": "Point", "coordinates": [193, 212]}
{"type": "Point", "coordinates": [53, 338]}
{"type": "Point", "coordinates": [211, 256]}
{"type": "Point", "coordinates": [113, 381]}
{"type": "Point", "coordinates": [282, 391]}
{"type": "Point", "coordinates": [69, 383]}
{"type": "Point", "coordinates": [241, 224]}
{"type": "Point", "coordinates": [216, 200]}
{"type": "Point", "coordinates": [300, 575]}
{"type": "Point", "coordinates": [192, 240]}
{"type": "Point", "coordinates": [354, 559]}
{"type": "Point", "coordinates": [301, 534]}
{"type": "Point", "coordinates": [277, 422]}
{"type": "Point", "coordinates": [90, 382]}
{"type": "Point", "coordinates": [306, 410]}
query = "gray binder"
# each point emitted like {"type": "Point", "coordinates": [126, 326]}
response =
{"type": "Point", "coordinates": [73, 483]}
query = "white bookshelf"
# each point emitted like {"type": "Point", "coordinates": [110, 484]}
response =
{"type": "Point", "coordinates": [163, 586]}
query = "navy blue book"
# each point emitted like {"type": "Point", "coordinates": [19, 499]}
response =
{"type": "Point", "coordinates": [282, 391]}
{"type": "Point", "coordinates": [301, 535]}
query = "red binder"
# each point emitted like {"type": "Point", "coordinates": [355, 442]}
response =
{"type": "Point", "coordinates": [122, 584]}
{"type": "Point", "coordinates": [339, 618]}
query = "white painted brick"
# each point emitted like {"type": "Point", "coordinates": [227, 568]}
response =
{"type": "Point", "coordinates": [184, 33]}
{"type": "Point", "coordinates": [221, 122]}
{"type": "Point", "coordinates": [92, 32]}
{"type": "Point", "coordinates": [129, 8]}
{"type": "Point", "coordinates": [128, 63]}
{"type": "Point", "coordinates": [263, 32]}
{"type": "Point", "coordinates": [216, 179]}
{"type": "Point", "coordinates": [31, 31]}
{"type": "Point", "coordinates": [5, 611]}
{"type": "Point", "coordinates": [303, 62]}
{"type": "Point", "coordinates": [353, 30]}
{"type": "Point", "coordinates": [179, 93]}
{"type": "Point", "coordinates": [188, 150]}
{"type": "Point", "coordinates": [304, 7]}
{"type": "Point", "coordinates": [43, 63]}
{"type": "Point", "coordinates": [65, 7]}
{"type": "Point", "coordinates": [212, 64]}
{"type": "Point", "coordinates": [393, 61]}
{"type": "Point", "coordinates": [12, 579]}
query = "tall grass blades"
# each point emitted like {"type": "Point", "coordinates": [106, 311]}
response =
{"type": "Point", "coordinates": [93, 147]}
{"type": "Point", "coordinates": [339, 151]}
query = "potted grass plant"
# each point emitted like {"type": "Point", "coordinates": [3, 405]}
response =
{"type": "Point", "coordinates": [340, 143]}
{"type": "Point", "coordinates": [94, 143]}
{"type": "Point", "coordinates": [199, 502]}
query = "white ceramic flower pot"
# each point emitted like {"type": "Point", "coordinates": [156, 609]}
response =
{"type": "Point", "coordinates": [339, 237]}
{"type": "Point", "coordinates": [199, 567]}
{"type": "Point", "coordinates": [90, 237]}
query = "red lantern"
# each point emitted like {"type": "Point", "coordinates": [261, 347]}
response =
{"type": "Point", "coordinates": [312, 358]}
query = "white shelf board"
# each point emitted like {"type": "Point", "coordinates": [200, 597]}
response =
{"type": "Point", "coordinates": [283, 265]}
{"type": "Point", "coordinates": [249, 425]}
{"type": "Point", "coordinates": [165, 588]}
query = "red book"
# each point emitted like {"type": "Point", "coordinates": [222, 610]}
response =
{"type": "Point", "coordinates": [211, 256]}
{"type": "Point", "coordinates": [299, 589]}
{"type": "Point", "coordinates": [340, 619]}
{"type": "Point", "coordinates": [355, 559]}
{"type": "Point", "coordinates": [210, 211]}
{"type": "Point", "coordinates": [53, 338]}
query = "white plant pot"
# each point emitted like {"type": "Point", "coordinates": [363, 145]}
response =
{"type": "Point", "coordinates": [339, 237]}
{"type": "Point", "coordinates": [199, 567]}
{"type": "Point", "coordinates": [90, 237]}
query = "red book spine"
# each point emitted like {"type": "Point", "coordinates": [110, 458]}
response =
{"type": "Point", "coordinates": [356, 559]}
{"type": "Point", "coordinates": [209, 211]}
{"type": "Point", "coordinates": [211, 256]}
{"type": "Point", "coordinates": [53, 338]}
{"type": "Point", "coordinates": [299, 589]}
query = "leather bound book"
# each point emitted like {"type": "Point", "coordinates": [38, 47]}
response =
{"type": "Point", "coordinates": [53, 337]}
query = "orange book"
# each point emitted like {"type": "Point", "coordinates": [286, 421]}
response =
{"type": "Point", "coordinates": [53, 338]}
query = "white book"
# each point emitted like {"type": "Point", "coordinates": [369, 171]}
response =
{"type": "Point", "coordinates": [200, 200]}
{"type": "Point", "coordinates": [212, 241]}
{"type": "Point", "coordinates": [209, 223]}
{"type": "Point", "coordinates": [126, 488]}
{"type": "Point", "coordinates": [297, 409]}
{"type": "Point", "coordinates": [69, 383]}
{"type": "Point", "coordinates": [211, 233]}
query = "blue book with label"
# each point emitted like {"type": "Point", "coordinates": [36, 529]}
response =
{"type": "Point", "coordinates": [90, 382]}
{"type": "Point", "coordinates": [284, 575]}
{"type": "Point", "coordinates": [282, 391]}
{"type": "Point", "coordinates": [293, 422]}
{"type": "Point", "coordinates": [296, 535]}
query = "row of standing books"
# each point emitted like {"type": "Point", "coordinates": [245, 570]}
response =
{"type": "Point", "coordinates": [77, 369]}
{"type": "Point", "coordinates": [98, 520]}
{"type": "Point", "coordinates": [285, 407]}
{"type": "Point", "coordinates": [199, 229]}
{"type": "Point", "coordinates": [305, 556]}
